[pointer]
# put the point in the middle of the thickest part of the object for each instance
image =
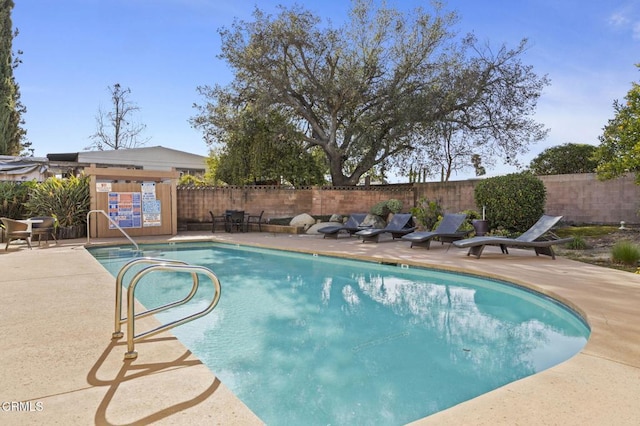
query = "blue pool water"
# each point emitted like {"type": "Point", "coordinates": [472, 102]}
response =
{"type": "Point", "coordinates": [304, 339]}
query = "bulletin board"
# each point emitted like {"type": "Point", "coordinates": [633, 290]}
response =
{"type": "Point", "coordinates": [140, 202]}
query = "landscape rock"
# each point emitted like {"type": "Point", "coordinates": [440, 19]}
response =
{"type": "Point", "coordinates": [303, 220]}
{"type": "Point", "coordinates": [373, 221]}
{"type": "Point", "coordinates": [336, 218]}
{"type": "Point", "coordinates": [314, 228]}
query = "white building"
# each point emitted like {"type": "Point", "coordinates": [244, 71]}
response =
{"type": "Point", "coordinates": [147, 158]}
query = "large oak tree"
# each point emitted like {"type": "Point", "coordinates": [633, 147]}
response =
{"type": "Point", "coordinates": [366, 91]}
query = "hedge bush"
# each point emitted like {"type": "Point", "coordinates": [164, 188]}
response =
{"type": "Point", "coordinates": [383, 208]}
{"type": "Point", "coordinates": [512, 202]}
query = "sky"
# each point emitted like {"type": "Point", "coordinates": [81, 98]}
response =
{"type": "Point", "coordinates": [164, 49]}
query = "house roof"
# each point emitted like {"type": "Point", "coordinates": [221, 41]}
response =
{"type": "Point", "coordinates": [156, 158]}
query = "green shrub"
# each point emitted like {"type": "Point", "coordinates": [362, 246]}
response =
{"type": "Point", "coordinates": [500, 232]}
{"type": "Point", "coordinates": [625, 252]}
{"type": "Point", "coordinates": [13, 195]}
{"type": "Point", "coordinates": [383, 208]}
{"type": "Point", "coordinates": [578, 243]}
{"type": "Point", "coordinates": [513, 202]}
{"type": "Point", "coordinates": [471, 216]}
{"type": "Point", "coordinates": [67, 200]}
{"type": "Point", "coordinates": [379, 209]}
{"type": "Point", "coordinates": [190, 180]}
{"type": "Point", "coordinates": [283, 221]}
{"type": "Point", "coordinates": [394, 205]}
{"type": "Point", "coordinates": [427, 213]}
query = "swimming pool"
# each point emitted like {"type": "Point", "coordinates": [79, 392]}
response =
{"type": "Point", "coordinates": [304, 339]}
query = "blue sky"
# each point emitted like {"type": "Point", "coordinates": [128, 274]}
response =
{"type": "Point", "coordinates": [163, 49]}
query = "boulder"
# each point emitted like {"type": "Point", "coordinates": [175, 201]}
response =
{"type": "Point", "coordinates": [314, 228]}
{"type": "Point", "coordinates": [303, 220]}
{"type": "Point", "coordinates": [373, 221]}
{"type": "Point", "coordinates": [336, 218]}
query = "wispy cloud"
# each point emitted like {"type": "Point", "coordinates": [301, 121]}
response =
{"type": "Point", "coordinates": [618, 20]}
{"type": "Point", "coordinates": [627, 18]}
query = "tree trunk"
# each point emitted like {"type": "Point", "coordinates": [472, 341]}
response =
{"type": "Point", "coordinates": [338, 178]}
{"type": "Point", "coordinates": [342, 180]}
{"type": "Point", "coordinates": [336, 167]}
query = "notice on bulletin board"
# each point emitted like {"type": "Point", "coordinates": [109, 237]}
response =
{"type": "Point", "coordinates": [151, 213]}
{"type": "Point", "coordinates": [103, 187]}
{"type": "Point", "coordinates": [148, 191]}
{"type": "Point", "coordinates": [150, 206]}
{"type": "Point", "coordinates": [125, 209]}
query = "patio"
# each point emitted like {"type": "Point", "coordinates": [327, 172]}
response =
{"type": "Point", "coordinates": [59, 364]}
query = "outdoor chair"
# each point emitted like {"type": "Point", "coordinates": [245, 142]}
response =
{"type": "Point", "coordinates": [43, 226]}
{"type": "Point", "coordinates": [217, 220]}
{"type": "Point", "coordinates": [446, 232]}
{"type": "Point", "coordinates": [351, 226]}
{"type": "Point", "coordinates": [401, 224]}
{"type": "Point", "coordinates": [256, 219]}
{"type": "Point", "coordinates": [16, 230]}
{"type": "Point", "coordinates": [235, 220]}
{"type": "Point", "coordinates": [532, 238]}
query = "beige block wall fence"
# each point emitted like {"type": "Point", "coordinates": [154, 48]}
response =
{"type": "Point", "coordinates": [580, 198]}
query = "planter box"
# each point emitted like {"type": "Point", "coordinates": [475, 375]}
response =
{"type": "Point", "coordinates": [71, 232]}
{"type": "Point", "coordinates": [253, 227]}
{"type": "Point", "coordinates": [278, 229]}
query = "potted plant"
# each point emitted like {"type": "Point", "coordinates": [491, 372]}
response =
{"type": "Point", "coordinates": [481, 226]}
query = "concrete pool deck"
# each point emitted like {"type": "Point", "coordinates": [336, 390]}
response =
{"type": "Point", "coordinates": [59, 365]}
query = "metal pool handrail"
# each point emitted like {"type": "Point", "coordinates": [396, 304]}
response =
{"type": "Point", "coordinates": [119, 319]}
{"type": "Point", "coordinates": [113, 223]}
{"type": "Point", "coordinates": [174, 266]}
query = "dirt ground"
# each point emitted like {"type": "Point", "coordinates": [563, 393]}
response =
{"type": "Point", "coordinates": [598, 249]}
